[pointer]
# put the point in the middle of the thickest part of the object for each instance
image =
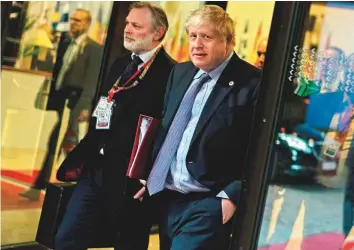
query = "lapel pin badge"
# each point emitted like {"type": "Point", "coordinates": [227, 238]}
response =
{"type": "Point", "coordinates": [231, 83]}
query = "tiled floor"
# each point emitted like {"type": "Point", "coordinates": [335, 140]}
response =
{"type": "Point", "coordinates": [19, 216]}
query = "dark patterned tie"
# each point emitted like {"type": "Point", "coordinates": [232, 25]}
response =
{"type": "Point", "coordinates": [158, 175]}
{"type": "Point", "coordinates": [131, 68]}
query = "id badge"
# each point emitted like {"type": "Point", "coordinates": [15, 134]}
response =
{"type": "Point", "coordinates": [103, 120]}
{"type": "Point", "coordinates": [332, 149]}
{"type": "Point", "coordinates": [103, 106]}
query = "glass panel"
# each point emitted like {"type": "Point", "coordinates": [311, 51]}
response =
{"type": "Point", "coordinates": [310, 200]}
{"type": "Point", "coordinates": [39, 112]}
{"type": "Point", "coordinates": [253, 20]}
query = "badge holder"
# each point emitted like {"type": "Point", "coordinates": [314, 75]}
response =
{"type": "Point", "coordinates": [103, 113]}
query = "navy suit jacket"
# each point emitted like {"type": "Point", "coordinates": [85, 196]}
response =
{"type": "Point", "coordinates": [146, 98]}
{"type": "Point", "coordinates": [216, 157]}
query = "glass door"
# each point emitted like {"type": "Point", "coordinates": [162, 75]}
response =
{"type": "Point", "coordinates": [301, 192]}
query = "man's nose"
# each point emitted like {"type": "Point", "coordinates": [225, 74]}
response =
{"type": "Point", "coordinates": [127, 29]}
{"type": "Point", "coordinates": [197, 43]}
{"type": "Point", "coordinates": [262, 58]}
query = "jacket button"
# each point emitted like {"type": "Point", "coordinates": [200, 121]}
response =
{"type": "Point", "coordinates": [191, 162]}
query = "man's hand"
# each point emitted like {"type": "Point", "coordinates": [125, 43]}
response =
{"type": "Point", "coordinates": [84, 115]}
{"type": "Point", "coordinates": [228, 209]}
{"type": "Point", "coordinates": [140, 194]}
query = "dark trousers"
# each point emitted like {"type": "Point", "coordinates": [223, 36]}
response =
{"type": "Point", "coordinates": [191, 221]}
{"type": "Point", "coordinates": [87, 222]}
{"type": "Point", "coordinates": [71, 137]}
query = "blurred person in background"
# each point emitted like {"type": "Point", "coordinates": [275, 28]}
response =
{"type": "Point", "coordinates": [329, 70]}
{"type": "Point", "coordinates": [75, 76]}
{"type": "Point", "coordinates": [348, 218]}
{"type": "Point", "coordinates": [261, 52]}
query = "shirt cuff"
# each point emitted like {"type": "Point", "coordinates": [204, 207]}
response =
{"type": "Point", "coordinates": [222, 194]}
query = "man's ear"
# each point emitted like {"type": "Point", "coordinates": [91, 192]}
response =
{"type": "Point", "coordinates": [159, 33]}
{"type": "Point", "coordinates": [228, 40]}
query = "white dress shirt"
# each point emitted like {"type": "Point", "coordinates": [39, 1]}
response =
{"type": "Point", "coordinates": [145, 56]}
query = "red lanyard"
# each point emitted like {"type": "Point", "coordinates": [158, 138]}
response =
{"type": "Point", "coordinates": [142, 71]}
{"type": "Point", "coordinates": [116, 89]}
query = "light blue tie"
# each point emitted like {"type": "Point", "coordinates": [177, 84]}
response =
{"type": "Point", "coordinates": [158, 175]}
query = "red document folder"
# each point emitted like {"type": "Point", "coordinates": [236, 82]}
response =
{"type": "Point", "coordinates": [145, 134]}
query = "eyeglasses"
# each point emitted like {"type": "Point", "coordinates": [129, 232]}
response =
{"type": "Point", "coordinates": [260, 53]}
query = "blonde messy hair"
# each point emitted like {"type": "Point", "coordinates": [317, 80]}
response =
{"type": "Point", "coordinates": [215, 15]}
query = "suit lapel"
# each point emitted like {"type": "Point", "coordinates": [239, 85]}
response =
{"type": "Point", "coordinates": [225, 83]}
{"type": "Point", "coordinates": [66, 43]}
{"type": "Point", "coordinates": [155, 66]}
{"type": "Point", "coordinates": [123, 62]}
{"type": "Point", "coordinates": [178, 95]}
{"type": "Point", "coordinates": [63, 46]}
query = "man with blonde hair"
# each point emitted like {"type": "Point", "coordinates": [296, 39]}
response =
{"type": "Point", "coordinates": [200, 148]}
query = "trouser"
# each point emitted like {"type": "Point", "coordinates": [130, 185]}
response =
{"type": "Point", "coordinates": [192, 221]}
{"type": "Point", "coordinates": [71, 139]}
{"type": "Point", "coordinates": [86, 220]}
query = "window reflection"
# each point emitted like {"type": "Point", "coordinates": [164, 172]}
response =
{"type": "Point", "coordinates": [310, 203]}
{"type": "Point", "coordinates": [49, 79]}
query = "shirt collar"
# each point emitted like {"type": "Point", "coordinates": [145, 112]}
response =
{"type": "Point", "coordinates": [146, 56]}
{"type": "Point", "coordinates": [215, 73]}
{"type": "Point", "coordinates": [81, 38]}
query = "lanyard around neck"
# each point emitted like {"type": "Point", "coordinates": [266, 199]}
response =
{"type": "Point", "coordinates": [115, 89]}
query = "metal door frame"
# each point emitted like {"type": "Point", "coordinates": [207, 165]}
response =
{"type": "Point", "coordinates": [286, 32]}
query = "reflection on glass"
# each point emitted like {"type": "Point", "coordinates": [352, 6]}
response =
{"type": "Point", "coordinates": [310, 199]}
{"type": "Point", "coordinates": [46, 100]}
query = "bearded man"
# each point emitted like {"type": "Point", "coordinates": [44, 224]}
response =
{"type": "Point", "coordinates": [103, 192]}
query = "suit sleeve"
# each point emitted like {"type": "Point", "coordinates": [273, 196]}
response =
{"type": "Point", "coordinates": [91, 78]}
{"type": "Point", "coordinates": [233, 191]}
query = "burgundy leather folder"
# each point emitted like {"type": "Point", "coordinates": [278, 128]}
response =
{"type": "Point", "coordinates": [144, 136]}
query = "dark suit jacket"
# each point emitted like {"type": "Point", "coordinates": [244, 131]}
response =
{"type": "Point", "coordinates": [146, 98]}
{"type": "Point", "coordinates": [82, 75]}
{"type": "Point", "coordinates": [216, 157]}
